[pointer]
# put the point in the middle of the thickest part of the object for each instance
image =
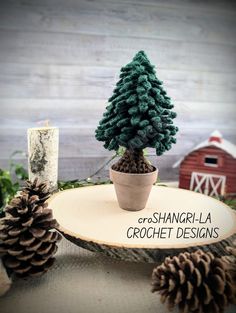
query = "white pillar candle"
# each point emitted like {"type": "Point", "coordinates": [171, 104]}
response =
{"type": "Point", "coordinates": [43, 145]}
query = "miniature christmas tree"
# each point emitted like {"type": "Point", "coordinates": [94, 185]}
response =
{"type": "Point", "coordinates": [138, 116]}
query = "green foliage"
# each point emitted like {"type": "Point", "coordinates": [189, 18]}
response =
{"type": "Point", "coordinates": [229, 200]}
{"type": "Point", "coordinates": [139, 112]}
{"type": "Point", "coordinates": [9, 187]}
{"type": "Point", "coordinates": [231, 203]}
{"type": "Point", "coordinates": [16, 168]}
{"type": "Point", "coordinates": [63, 185]}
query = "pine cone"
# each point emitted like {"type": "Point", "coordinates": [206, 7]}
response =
{"type": "Point", "coordinates": [196, 282]}
{"type": "Point", "coordinates": [36, 188]}
{"type": "Point", "coordinates": [230, 261]}
{"type": "Point", "coordinates": [28, 241]}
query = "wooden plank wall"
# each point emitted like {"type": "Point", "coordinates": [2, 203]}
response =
{"type": "Point", "coordinates": [60, 60]}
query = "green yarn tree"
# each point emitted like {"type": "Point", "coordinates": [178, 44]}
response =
{"type": "Point", "coordinates": [138, 116]}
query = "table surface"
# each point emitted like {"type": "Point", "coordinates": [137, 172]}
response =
{"type": "Point", "coordinates": [93, 214]}
{"type": "Point", "coordinates": [86, 282]}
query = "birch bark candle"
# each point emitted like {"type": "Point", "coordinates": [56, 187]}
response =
{"type": "Point", "coordinates": [43, 145]}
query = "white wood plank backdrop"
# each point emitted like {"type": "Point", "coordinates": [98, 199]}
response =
{"type": "Point", "coordinates": [60, 59]}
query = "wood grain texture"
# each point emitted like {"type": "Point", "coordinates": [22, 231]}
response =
{"type": "Point", "coordinates": [87, 145]}
{"type": "Point", "coordinates": [60, 60]}
{"type": "Point", "coordinates": [102, 50]}
{"type": "Point", "coordinates": [22, 112]}
{"type": "Point", "coordinates": [114, 17]}
{"type": "Point", "coordinates": [43, 81]}
{"type": "Point", "coordinates": [77, 208]}
{"type": "Point", "coordinates": [146, 254]}
{"type": "Point", "coordinates": [80, 167]}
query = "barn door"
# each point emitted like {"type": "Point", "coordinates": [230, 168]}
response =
{"type": "Point", "coordinates": [212, 185]}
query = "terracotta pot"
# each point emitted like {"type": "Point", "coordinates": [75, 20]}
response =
{"type": "Point", "coordinates": [132, 190]}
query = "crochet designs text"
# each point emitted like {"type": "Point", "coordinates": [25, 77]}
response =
{"type": "Point", "coordinates": [169, 226]}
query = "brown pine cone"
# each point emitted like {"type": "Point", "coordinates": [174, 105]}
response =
{"type": "Point", "coordinates": [36, 188]}
{"type": "Point", "coordinates": [28, 239]}
{"type": "Point", "coordinates": [230, 261]}
{"type": "Point", "coordinates": [196, 282]}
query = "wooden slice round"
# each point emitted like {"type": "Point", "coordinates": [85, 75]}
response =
{"type": "Point", "coordinates": [91, 218]}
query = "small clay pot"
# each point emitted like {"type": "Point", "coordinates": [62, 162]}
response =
{"type": "Point", "coordinates": [132, 190]}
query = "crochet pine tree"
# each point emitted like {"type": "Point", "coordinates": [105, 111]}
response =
{"type": "Point", "coordinates": [138, 116]}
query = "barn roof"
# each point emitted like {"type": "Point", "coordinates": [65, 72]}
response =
{"type": "Point", "coordinates": [216, 139]}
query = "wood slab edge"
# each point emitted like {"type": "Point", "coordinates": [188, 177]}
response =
{"type": "Point", "coordinates": [148, 255]}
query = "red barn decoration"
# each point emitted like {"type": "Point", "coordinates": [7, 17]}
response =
{"type": "Point", "coordinates": [210, 168]}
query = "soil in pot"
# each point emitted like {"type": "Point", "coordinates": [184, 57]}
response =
{"type": "Point", "coordinates": [133, 161]}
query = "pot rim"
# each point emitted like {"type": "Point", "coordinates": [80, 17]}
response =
{"type": "Point", "coordinates": [136, 174]}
